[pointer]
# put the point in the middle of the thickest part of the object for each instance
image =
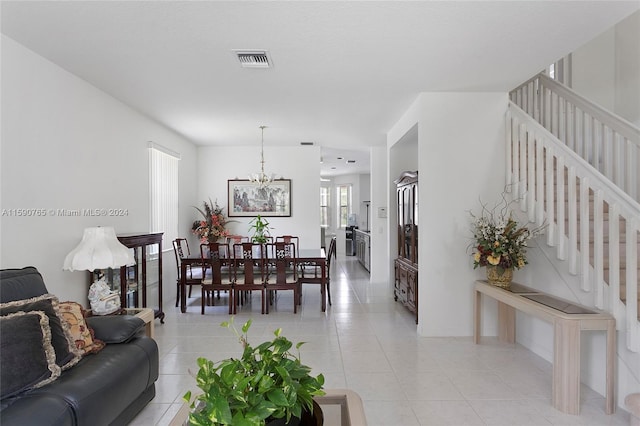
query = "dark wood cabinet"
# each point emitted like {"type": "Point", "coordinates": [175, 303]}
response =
{"type": "Point", "coordinates": [132, 282]}
{"type": "Point", "coordinates": [406, 264]}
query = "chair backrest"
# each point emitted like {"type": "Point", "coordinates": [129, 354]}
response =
{"type": "Point", "coordinates": [234, 242]}
{"type": "Point", "coordinates": [248, 263]}
{"type": "Point", "coordinates": [282, 262]}
{"type": "Point", "coordinates": [214, 257]}
{"type": "Point", "coordinates": [180, 247]}
{"type": "Point", "coordinates": [290, 239]}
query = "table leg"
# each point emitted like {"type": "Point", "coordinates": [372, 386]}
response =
{"type": "Point", "coordinates": [566, 366]}
{"type": "Point", "coordinates": [506, 323]}
{"type": "Point", "coordinates": [183, 286]}
{"type": "Point", "coordinates": [610, 402]}
{"type": "Point", "coordinates": [477, 308]}
{"type": "Point", "coordinates": [323, 286]}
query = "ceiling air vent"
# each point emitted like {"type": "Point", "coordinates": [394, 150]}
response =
{"type": "Point", "coordinates": [253, 58]}
{"type": "Point", "coordinates": [306, 143]}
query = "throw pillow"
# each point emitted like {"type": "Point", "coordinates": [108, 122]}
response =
{"type": "Point", "coordinates": [66, 353]}
{"type": "Point", "coordinates": [73, 314]}
{"type": "Point", "coordinates": [26, 354]}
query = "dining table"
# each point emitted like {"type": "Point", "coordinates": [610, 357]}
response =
{"type": "Point", "coordinates": [313, 256]}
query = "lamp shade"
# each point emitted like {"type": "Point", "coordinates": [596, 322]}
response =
{"type": "Point", "coordinates": [99, 249]}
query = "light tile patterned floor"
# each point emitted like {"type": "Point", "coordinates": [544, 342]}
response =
{"type": "Point", "coordinates": [368, 343]}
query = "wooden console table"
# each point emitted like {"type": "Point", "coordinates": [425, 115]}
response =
{"type": "Point", "coordinates": [568, 320]}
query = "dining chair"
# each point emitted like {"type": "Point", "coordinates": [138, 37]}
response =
{"type": "Point", "coordinates": [312, 273]}
{"type": "Point", "coordinates": [248, 272]}
{"type": "Point", "coordinates": [180, 250]}
{"type": "Point", "coordinates": [282, 272]}
{"type": "Point", "coordinates": [290, 239]}
{"type": "Point", "coordinates": [232, 240]}
{"type": "Point", "coordinates": [215, 270]}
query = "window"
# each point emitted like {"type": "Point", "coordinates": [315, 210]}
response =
{"type": "Point", "coordinates": [325, 197]}
{"type": "Point", "coordinates": [163, 187]}
{"type": "Point", "coordinates": [344, 205]}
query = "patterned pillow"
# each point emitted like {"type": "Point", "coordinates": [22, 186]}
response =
{"type": "Point", "coordinates": [26, 353]}
{"type": "Point", "coordinates": [73, 314]}
{"type": "Point", "coordinates": [66, 353]}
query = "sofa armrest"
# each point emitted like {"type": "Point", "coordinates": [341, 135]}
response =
{"type": "Point", "coordinates": [116, 328]}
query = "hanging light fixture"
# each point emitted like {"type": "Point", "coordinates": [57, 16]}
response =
{"type": "Point", "coordinates": [261, 179]}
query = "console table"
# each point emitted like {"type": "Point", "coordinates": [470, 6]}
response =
{"type": "Point", "coordinates": [568, 320]}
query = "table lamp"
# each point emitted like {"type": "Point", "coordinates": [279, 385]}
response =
{"type": "Point", "coordinates": [99, 249]}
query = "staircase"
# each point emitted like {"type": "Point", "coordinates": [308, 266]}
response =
{"type": "Point", "coordinates": [574, 167]}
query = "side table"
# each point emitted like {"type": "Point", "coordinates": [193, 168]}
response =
{"type": "Point", "coordinates": [145, 314]}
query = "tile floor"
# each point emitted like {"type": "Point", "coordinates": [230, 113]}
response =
{"type": "Point", "coordinates": [368, 343]}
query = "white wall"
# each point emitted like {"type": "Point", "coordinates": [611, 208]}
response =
{"type": "Point", "coordinates": [300, 164]}
{"type": "Point", "coordinates": [594, 70]}
{"type": "Point", "coordinates": [379, 226]}
{"type": "Point", "coordinates": [627, 98]}
{"type": "Point", "coordinates": [607, 69]}
{"type": "Point", "coordinates": [466, 129]}
{"type": "Point", "coordinates": [364, 182]}
{"type": "Point", "coordinates": [457, 166]}
{"type": "Point", "coordinates": [67, 145]}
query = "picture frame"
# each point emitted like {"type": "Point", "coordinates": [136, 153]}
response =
{"type": "Point", "coordinates": [247, 199]}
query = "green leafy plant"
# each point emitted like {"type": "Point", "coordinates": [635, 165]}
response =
{"type": "Point", "coordinates": [267, 382]}
{"type": "Point", "coordinates": [260, 228]}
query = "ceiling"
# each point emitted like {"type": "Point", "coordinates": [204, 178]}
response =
{"type": "Point", "coordinates": [343, 72]}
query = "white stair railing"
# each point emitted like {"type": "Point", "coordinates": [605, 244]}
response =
{"type": "Point", "coordinates": [543, 172]}
{"type": "Point", "coordinates": [608, 142]}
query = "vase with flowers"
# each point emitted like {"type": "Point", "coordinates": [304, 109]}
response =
{"type": "Point", "coordinates": [213, 226]}
{"type": "Point", "coordinates": [500, 242]}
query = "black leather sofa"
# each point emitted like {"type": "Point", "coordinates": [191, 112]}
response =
{"type": "Point", "coordinates": [106, 388]}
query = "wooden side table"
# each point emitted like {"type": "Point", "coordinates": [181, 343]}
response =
{"type": "Point", "coordinates": [147, 315]}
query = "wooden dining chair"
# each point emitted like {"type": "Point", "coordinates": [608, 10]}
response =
{"type": "Point", "coordinates": [215, 270]}
{"type": "Point", "coordinates": [312, 273]}
{"type": "Point", "coordinates": [248, 271]}
{"type": "Point", "coordinates": [180, 250]}
{"type": "Point", "coordinates": [233, 240]}
{"type": "Point", "coordinates": [282, 272]}
{"type": "Point", "coordinates": [290, 239]}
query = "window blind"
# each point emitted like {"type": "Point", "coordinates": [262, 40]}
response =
{"type": "Point", "coordinates": [163, 187]}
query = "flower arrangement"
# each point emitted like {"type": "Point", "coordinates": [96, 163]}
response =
{"type": "Point", "coordinates": [213, 226]}
{"type": "Point", "coordinates": [499, 239]}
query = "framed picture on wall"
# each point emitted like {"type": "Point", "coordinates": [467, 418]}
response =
{"type": "Point", "coordinates": [246, 199]}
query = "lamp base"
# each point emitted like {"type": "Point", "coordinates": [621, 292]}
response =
{"type": "Point", "coordinates": [103, 300]}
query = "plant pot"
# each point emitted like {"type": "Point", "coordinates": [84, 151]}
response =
{"type": "Point", "coordinates": [315, 418]}
{"type": "Point", "coordinates": [499, 277]}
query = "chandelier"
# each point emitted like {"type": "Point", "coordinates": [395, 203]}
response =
{"type": "Point", "coordinates": [261, 179]}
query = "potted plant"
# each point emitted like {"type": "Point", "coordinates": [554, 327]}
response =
{"type": "Point", "coordinates": [213, 227]}
{"type": "Point", "coordinates": [260, 228]}
{"type": "Point", "coordinates": [500, 242]}
{"type": "Point", "coordinates": [266, 384]}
